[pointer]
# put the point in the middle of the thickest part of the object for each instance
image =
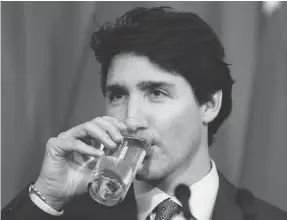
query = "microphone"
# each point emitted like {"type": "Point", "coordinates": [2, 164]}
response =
{"type": "Point", "coordinates": [183, 193]}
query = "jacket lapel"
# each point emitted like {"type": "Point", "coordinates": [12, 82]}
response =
{"type": "Point", "coordinates": [225, 205]}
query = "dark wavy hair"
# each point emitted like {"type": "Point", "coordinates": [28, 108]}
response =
{"type": "Point", "coordinates": [179, 42]}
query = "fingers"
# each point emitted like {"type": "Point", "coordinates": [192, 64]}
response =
{"type": "Point", "coordinates": [61, 147]}
{"type": "Point", "coordinates": [115, 121]}
{"type": "Point", "coordinates": [105, 129]}
{"type": "Point", "coordinates": [110, 128]}
{"type": "Point", "coordinates": [89, 129]}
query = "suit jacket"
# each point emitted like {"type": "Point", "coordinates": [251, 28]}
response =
{"type": "Point", "coordinates": [231, 204]}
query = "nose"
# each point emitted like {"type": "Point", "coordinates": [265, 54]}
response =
{"type": "Point", "coordinates": [135, 124]}
{"type": "Point", "coordinates": [135, 118]}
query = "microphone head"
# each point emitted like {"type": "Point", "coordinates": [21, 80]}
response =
{"type": "Point", "coordinates": [182, 192]}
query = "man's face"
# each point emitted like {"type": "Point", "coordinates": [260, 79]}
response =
{"type": "Point", "coordinates": [163, 104]}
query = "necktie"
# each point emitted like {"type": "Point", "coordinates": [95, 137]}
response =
{"type": "Point", "coordinates": [166, 210]}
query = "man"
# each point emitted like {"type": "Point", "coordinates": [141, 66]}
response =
{"type": "Point", "coordinates": [163, 74]}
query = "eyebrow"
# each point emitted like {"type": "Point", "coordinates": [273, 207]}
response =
{"type": "Point", "coordinates": [115, 87]}
{"type": "Point", "coordinates": [143, 85]}
{"type": "Point", "coordinates": [146, 85]}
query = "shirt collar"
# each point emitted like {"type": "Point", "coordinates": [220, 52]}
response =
{"type": "Point", "coordinates": [201, 202]}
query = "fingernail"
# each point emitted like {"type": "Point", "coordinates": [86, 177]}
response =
{"type": "Point", "coordinates": [123, 126]}
{"type": "Point", "coordinates": [111, 143]}
{"type": "Point", "coordinates": [119, 137]}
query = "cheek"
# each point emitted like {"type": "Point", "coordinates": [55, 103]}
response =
{"type": "Point", "coordinates": [115, 111]}
{"type": "Point", "coordinates": [179, 128]}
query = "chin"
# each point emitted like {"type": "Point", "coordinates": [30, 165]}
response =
{"type": "Point", "coordinates": [148, 177]}
{"type": "Point", "coordinates": [152, 171]}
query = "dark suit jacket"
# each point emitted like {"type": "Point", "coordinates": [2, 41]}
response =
{"type": "Point", "coordinates": [231, 204]}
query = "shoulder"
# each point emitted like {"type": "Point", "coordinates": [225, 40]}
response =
{"type": "Point", "coordinates": [249, 205]}
{"type": "Point", "coordinates": [265, 210]}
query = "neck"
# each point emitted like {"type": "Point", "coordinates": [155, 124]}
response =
{"type": "Point", "coordinates": [189, 173]}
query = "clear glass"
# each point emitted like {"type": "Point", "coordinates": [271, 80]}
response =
{"type": "Point", "coordinates": [115, 171]}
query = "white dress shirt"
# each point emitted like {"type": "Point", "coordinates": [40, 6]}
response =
{"type": "Point", "coordinates": [201, 202]}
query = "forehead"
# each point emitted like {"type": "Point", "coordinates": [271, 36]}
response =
{"type": "Point", "coordinates": [126, 68]}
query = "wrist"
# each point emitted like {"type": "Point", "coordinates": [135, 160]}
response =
{"type": "Point", "coordinates": [52, 201]}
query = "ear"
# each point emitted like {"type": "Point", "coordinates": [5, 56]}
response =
{"type": "Point", "coordinates": [211, 109]}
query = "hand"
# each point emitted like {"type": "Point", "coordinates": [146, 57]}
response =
{"type": "Point", "coordinates": [60, 179]}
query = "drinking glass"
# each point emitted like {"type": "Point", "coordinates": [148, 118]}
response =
{"type": "Point", "coordinates": [115, 171]}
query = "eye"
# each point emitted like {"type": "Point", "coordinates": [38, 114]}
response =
{"type": "Point", "coordinates": [157, 94]}
{"type": "Point", "coordinates": [115, 97]}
